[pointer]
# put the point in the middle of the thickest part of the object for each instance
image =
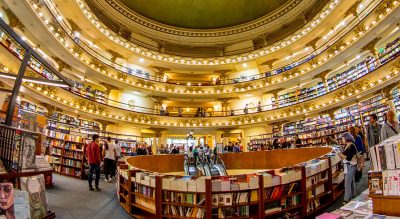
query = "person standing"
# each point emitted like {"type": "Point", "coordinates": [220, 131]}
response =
{"type": "Point", "coordinates": [285, 144]}
{"type": "Point", "coordinates": [118, 150]}
{"type": "Point", "coordinates": [259, 107]}
{"type": "Point", "coordinates": [94, 160]}
{"type": "Point", "coordinates": [275, 144]}
{"type": "Point", "coordinates": [246, 109]}
{"type": "Point", "coordinates": [390, 127]}
{"type": "Point", "coordinates": [110, 155]}
{"type": "Point", "coordinates": [297, 141]}
{"type": "Point", "coordinates": [180, 111]}
{"type": "Point", "coordinates": [350, 166]}
{"type": "Point", "coordinates": [195, 155]}
{"type": "Point", "coordinates": [330, 140]}
{"type": "Point", "coordinates": [373, 131]}
{"type": "Point", "coordinates": [215, 153]}
{"type": "Point", "coordinates": [359, 146]}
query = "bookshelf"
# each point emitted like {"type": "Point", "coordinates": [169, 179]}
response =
{"type": "Point", "coordinates": [270, 193]}
{"type": "Point", "coordinates": [301, 94]}
{"type": "Point", "coordinates": [67, 153]}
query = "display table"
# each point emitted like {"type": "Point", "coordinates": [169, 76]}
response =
{"type": "Point", "coordinates": [292, 185]}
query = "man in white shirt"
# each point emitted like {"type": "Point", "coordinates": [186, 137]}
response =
{"type": "Point", "coordinates": [110, 156]}
{"type": "Point", "coordinates": [390, 127]}
{"type": "Point", "coordinates": [118, 150]}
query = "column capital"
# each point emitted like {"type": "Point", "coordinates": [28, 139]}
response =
{"type": "Point", "coordinates": [322, 74]}
{"type": "Point", "coordinates": [114, 55]}
{"type": "Point", "coordinates": [270, 62]}
{"type": "Point", "coordinates": [371, 45]}
{"type": "Point", "coordinates": [104, 124]}
{"type": "Point", "coordinates": [313, 43]}
{"type": "Point", "coordinates": [74, 26]}
{"type": "Point", "coordinates": [61, 64]}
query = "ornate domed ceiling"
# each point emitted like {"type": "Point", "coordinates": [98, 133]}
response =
{"type": "Point", "coordinates": [203, 14]}
{"type": "Point", "coordinates": [204, 28]}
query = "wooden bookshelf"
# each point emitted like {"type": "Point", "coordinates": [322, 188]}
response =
{"type": "Point", "coordinates": [255, 201]}
{"type": "Point", "coordinates": [67, 154]}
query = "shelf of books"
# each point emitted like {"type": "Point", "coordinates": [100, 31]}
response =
{"type": "Point", "coordinates": [66, 153]}
{"type": "Point", "coordinates": [396, 100]}
{"type": "Point", "coordinates": [383, 178]}
{"type": "Point", "coordinates": [126, 146]}
{"type": "Point", "coordinates": [376, 105]}
{"type": "Point", "coordinates": [298, 191]}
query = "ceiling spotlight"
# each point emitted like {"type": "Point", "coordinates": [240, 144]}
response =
{"type": "Point", "coordinates": [244, 65]}
{"type": "Point", "coordinates": [141, 60]}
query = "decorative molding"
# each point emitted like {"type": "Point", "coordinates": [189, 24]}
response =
{"type": "Point", "coordinates": [13, 20]}
{"type": "Point", "coordinates": [270, 62]}
{"type": "Point", "coordinates": [114, 55]}
{"type": "Point", "coordinates": [154, 54]}
{"type": "Point", "coordinates": [61, 64]}
{"type": "Point", "coordinates": [74, 26]}
{"type": "Point", "coordinates": [371, 45]}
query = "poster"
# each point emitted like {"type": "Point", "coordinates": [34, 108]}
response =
{"type": "Point", "coordinates": [14, 204]}
{"type": "Point", "coordinates": [35, 186]}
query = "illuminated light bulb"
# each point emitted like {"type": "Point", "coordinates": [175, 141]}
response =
{"type": "Point", "coordinates": [45, 92]}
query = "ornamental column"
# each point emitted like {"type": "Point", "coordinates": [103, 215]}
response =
{"type": "Point", "coordinates": [370, 47]}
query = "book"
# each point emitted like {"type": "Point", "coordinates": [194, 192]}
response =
{"type": "Point", "coordinates": [35, 186]}
{"type": "Point", "coordinates": [328, 216]}
{"type": "Point", "coordinates": [396, 151]}
{"type": "Point", "coordinates": [375, 182]}
{"type": "Point", "coordinates": [381, 157]}
{"type": "Point", "coordinates": [21, 204]}
{"type": "Point", "coordinates": [389, 157]}
{"type": "Point", "coordinates": [374, 160]}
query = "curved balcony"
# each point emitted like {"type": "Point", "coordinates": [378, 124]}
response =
{"type": "Point", "coordinates": [365, 84]}
{"type": "Point", "coordinates": [228, 81]}
{"type": "Point", "coordinates": [392, 52]}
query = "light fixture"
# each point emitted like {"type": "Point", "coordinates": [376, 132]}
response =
{"type": "Point", "coordinates": [244, 65]}
{"type": "Point", "coordinates": [34, 80]}
{"type": "Point", "coordinates": [141, 60]}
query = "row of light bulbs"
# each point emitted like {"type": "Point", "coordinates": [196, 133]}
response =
{"type": "Point", "coordinates": [151, 87]}
{"type": "Point", "coordinates": [207, 61]}
{"type": "Point", "coordinates": [175, 124]}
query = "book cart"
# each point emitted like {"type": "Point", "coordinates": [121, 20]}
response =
{"type": "Point", "coordinates": [300, 189]}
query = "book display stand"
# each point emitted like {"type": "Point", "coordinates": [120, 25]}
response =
{"type": "Point", "coordinates": [383, 179]}
{"type": "Point", "coordinates": [282, 183]}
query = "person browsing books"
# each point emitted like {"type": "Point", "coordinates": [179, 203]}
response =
{"type": "Point", "coordinates": [373, 131]}
{"type": "Point", "coordinates": [390, 127]}
{"type": "Point", "coordinates": [110, 156]}
{"type": "Point", "coordinates": [297, 141]}
{"type": "Point", "coordinates": [350, 165]}
{"type": "Point", "coordinates": [94, 160]}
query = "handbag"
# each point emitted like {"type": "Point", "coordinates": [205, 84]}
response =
{"type": "Point", "coordinates": [360, 159]}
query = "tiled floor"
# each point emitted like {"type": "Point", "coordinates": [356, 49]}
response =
{"type": "Point", "coordinates": [70, 198]}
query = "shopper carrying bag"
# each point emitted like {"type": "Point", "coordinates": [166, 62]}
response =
{"type": "Point", "coordinates": [349, 156]}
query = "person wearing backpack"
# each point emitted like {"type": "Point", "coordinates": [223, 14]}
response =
{"type": "Point", "coordinates": [349, 156]}
{"type": "Point", "coordinates": [390, 127]}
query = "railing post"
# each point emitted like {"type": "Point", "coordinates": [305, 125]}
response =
{"type": "Point", "coordinates": [16, 88]}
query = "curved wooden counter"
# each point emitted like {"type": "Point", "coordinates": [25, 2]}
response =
{"type": "Point", "coordinates": [144, 193]}
{"type": "Point", "coordinates": [247, 160]}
